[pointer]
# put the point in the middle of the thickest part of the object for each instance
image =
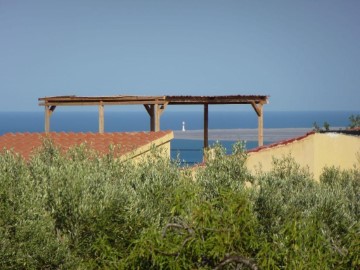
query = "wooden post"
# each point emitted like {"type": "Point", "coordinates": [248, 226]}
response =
{"type": "Point", "coordinates": [48, 111]}
{"type": "Point", "coordinates": [160, 108]}
{"type": "Point", "coordinates": [157, 114]}
{"type": "Point", "coordinates": [47, 118]}
{"type": "Point", "coordinates": [206, 126]}
{"type": "Point", "coordinates": [155, 111]}
{"type": "Point", "coordinates": [150, 108]}
{"type": "Point", "coordinates": [259, 111]}
{"type": "Point", "coordinates": [101, 117]}
{"type": "Point", "coordinates": [152, 117]}
{"type": "Point", "coordinates": [260, 126]}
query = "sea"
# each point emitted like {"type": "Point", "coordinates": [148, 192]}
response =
{"type": "Point", "coordinates": [186, 151]}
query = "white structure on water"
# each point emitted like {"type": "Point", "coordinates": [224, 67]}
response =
{"type": "Point", "coordinates": [183, 126]}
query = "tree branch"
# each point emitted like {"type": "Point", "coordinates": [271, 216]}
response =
{"type": "Point", "coordinates": [238, 260]}
{"type": "Point", "coordinates": [177, 226]}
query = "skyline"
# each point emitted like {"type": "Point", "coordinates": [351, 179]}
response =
{"type": "Point", "coordinates": [303, 54]}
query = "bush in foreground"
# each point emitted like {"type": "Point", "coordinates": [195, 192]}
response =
{"type": "Point", "coordinates": [82, 211]}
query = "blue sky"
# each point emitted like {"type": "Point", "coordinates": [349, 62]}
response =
{"type": "Point", "coordinates": [304, 54]}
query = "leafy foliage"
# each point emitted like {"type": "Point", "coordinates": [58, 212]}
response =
{"type": "Point", "coordinates": [354, 121]}
{"type": "Point", "coordinates": [77, 210]}
{"type": "Point", "coordinates": [317, 128]}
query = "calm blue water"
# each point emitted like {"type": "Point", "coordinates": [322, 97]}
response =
{"type": "Point", "coordinates": [139, 121]}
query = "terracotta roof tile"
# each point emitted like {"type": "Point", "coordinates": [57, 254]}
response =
{"type": "Point", "coordinates": [284, 142]}
{"type": "Point", "coordinates": [354, 129]}
{"type": "Point", "coordinates": [26, 143]}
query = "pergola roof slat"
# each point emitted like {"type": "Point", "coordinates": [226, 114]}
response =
{"type": "Point", "coordinates": [175, 100]}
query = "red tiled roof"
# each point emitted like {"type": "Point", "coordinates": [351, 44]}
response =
{"type": "Point", "coordinates": [26, 143]}
{"type": "Point", "coordinates": [284, 142]}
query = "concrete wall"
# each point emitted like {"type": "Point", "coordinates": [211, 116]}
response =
{"type": "Point", "coordinates": [315, 151]}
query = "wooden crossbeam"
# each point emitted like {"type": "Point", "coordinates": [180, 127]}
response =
{"type": "Point", "coordinates": [256, 108]}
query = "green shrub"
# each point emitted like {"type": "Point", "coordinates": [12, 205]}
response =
{"type": "Point", "coordinates": [285, 192]}
{"type": "Point", "coordinates": [207, 235]}
{"type": "Point", "coordinates": [78, 210]}
{"type": "Point", "coordinates": [222, 171]}
{"type": "Point", "coordinates": [28, 239]}
{"type": "Point", "coordinates": [354, 121]}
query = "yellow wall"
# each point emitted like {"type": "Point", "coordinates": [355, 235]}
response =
{"type": "Point", "coordinates": [334, 149]}
{"type": "Point", "coordinates": [314, 151]}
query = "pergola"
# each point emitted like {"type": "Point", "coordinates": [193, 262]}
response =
{"type": "Point", "coordinates": [155, 106]}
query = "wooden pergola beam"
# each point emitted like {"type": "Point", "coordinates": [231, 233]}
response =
{"type": "Point", "coordinates": [94, 103]}
{"type": "Point", "coordinates": [106, 100]}
{"type": "Point", "coordinates": [230, 99]}
{"type": "Point", "coordinates": [171, 100]}
{"type": "Point", "coordinates": [155, 106]}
